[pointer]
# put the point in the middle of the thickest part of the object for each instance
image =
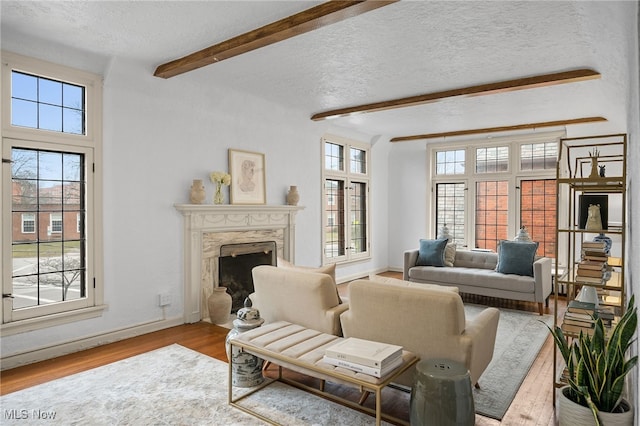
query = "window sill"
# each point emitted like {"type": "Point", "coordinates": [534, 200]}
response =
{"type": "Point", "coordinates": [46, 321]}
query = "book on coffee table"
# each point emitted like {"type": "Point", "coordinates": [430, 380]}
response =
{"type": "Point", "coordinates": [364, 352]}
{"type": "Point", "coordinates": [365, 369]}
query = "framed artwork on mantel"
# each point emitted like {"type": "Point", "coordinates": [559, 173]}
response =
{"type": "Point", "coordinates": [248, 184]}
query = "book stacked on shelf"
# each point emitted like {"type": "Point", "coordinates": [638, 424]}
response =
{"type": "Point", "coordinates": [593, 266]}
{"type": "Point", "coordinates": [364, 356]}
{"type": "Point", "coordinates": [582, 316]}
{"type": "Point", "coordinates": [579, 317]}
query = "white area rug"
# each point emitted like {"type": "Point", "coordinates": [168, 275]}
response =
{"type": "Point", "coordinates": [177, 386]}
{"type": "Point", "coordinates": [169, 386]}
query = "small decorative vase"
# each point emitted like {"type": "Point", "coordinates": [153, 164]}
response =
{"type": "Point", "coordinates": [607, 242]}
{"type": "Point", "coordinates": [197, 195]}
{"type": "Point", "coordinates": [219, 305]}
{"type": "Point", "coordinates": [293, 196]}
{"type": "Point", "coordinates": [247, 368]}
{"type": "Point", "coordinates": [218, 197]}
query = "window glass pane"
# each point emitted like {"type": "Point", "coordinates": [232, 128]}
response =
{"type": "Point", "coordinates": [492, 159]}
{"type": "Point", "coordinates": [24, 86]}
{"type": "Point", "coordinates": [450, 209]}
{"type": "Point", "coordinates": [358, 161]}
{"type": "Point", "coordinates": [538, 213]}
{"type": "Point", "coordinates": [538, 156]}
{"type": "Point", "coordinates": [334, 156]}
{"type": "Point", "coordinates": [358, 217]}
{"type": "Point", "coordinates": [49, 91]}
{"type": "Point", "coordinates": [491, 213]}
{"type": "Point", "coordinates": [24, 113]}
{"type": "Point", "coordinates": [38, 102]}
{"type": "Point", "coordinates": [334, 228]}
{"type": "Point", "coordinates": [450, 162]}
{"type": "Point", "coordinates": [47, 262]}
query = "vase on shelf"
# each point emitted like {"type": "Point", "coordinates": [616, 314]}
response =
{"type": "Point", "coordinates": [197, 194]}
{"type": "Point", "coordinates": [218, 197]}
{"type": "Point", "coordinates": [219, 305]}
{"type": "Point", "coordinates": [607, 242]}
{"type": "Point", "coordinates": [293, 196]}
{"type": "Point", "coordinates": [594, 168]}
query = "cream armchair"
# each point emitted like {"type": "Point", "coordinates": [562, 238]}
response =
{"type": "Point", "coordinates": [427, 321]}
{"type": "Point", "coordinates": [308, 299]}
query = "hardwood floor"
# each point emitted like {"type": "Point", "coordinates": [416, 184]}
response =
{"type": "Point", "coordinates": [533, 404]}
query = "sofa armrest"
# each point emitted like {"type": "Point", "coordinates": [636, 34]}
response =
{"type": "Point", "coordinates": [333, 315]}
{"type": "Point", "coordinates": [481, 332]}
{"type": "Point", "coordinates": [410, 259]}
{"type": "Point", "coordinates": [542, 277]}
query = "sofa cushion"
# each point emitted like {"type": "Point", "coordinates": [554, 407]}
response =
{"type": "Point", "coordinates": [472, 277]}
{"type": "Point", "coordinates": [431, 252]}
{"type": "Point", "coordinates": [450, 254]}
{"type": "Point", "coordinates": [403, 283]}
{"type": "Point", "coordinates": [516, 257]}
{"type": "Point", "coordinates": [328, 270]}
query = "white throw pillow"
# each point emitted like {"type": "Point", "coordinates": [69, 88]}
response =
{"type": "Point", "coordinates": [450, 254]}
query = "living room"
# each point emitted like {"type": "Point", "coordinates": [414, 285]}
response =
{"type": "Point", "coordinates": [160, 134]}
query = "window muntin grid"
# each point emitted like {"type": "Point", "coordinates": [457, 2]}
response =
{"type": "Point", "coordinates": [539, 156]}
{"type": "Point", "coordinates": [492, 159]}
{"type": "Point", "coordinates": [49, 265]}
{"type": "Point", "coordinates": [538, 200]}
{"type": "Point", "coordinates": [451, 201]}
{"type": "Point", "coordinates": [333, 156]}
{"type": "Point", "coordinates": [358, 222]}
{"type": "Point", "coordinates": [334, 227]}
{"type": "Point", "coordinates": [492, 213]}
{"type": "Point", "coordinates": [46, 104]}
{"type": "Point", "coordinates": [450, 162]}
{"type": "Point", "coordinates": [358, 161]}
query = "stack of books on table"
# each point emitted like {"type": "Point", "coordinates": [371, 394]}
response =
{"type": "Point", "coordinates": [364, 356]}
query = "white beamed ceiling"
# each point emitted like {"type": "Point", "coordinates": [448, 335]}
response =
{"type": "Point", "coordinates": [404, 49]}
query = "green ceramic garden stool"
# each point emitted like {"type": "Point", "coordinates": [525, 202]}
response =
{"type": "Point", "coordinates": [442, 394]}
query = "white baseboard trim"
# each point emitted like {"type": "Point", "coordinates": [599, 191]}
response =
{"type": "Point", "coordinates": [41, 354]}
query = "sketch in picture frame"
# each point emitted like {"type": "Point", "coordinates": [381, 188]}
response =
{"type": "Point", "coordinates": [247, 177]}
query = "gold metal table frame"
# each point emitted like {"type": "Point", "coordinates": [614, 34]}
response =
{"type": "Point", "coordinates": [320, 373]}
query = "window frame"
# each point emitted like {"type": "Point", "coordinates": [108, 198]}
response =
{"type": "Point", "coordinates": [88, 144]}
{"type": "Point", "coordinates": [471, 177]}
{"type": "Point", "coordinates": [349, 178]}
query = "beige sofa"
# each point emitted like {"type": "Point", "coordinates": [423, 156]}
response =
{"type": "Point", "coordinates": [473, 272]}
{"type": "Point", "coordinates": [426, 320]}
{"type": "Point", "coordinates": [309, 299]}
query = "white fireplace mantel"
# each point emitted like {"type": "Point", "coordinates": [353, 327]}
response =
{"type": "Point", "coordinates": [201, 219]}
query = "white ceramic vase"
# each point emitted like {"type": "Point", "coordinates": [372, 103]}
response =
{"type": "Point", "coordinates": [219, 305]}
{"type": "Point", "coordinates": [572, 414]}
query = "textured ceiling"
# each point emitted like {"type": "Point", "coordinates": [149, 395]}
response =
{"type": "Point", "coordinates": [404, 49]}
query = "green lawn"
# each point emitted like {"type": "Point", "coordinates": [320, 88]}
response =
{"type": "Point", "coordinates": [49, 249]}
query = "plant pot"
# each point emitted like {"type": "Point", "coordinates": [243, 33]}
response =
{"type": "Point", "coordinates": [572, 414]}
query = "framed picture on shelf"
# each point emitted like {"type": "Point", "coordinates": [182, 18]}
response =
{"type": "Point", "coordinates": [599, 200]}
{"type": "Point", "coordinates": [247, 177]}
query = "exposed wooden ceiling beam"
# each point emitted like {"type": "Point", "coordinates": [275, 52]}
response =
{"type": "Point", "coordinates": [527, 126]}
{"type": "Point", "coordinates": [300, 23]}
{"type": "Point", "coordinates": [480, 90]}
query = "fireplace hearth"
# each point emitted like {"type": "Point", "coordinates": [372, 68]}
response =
{"type": "Point", "coordinates": [235, 264]}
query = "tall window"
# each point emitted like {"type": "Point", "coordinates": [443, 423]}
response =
{"type": "Point", "coordinates": [485, 190]}
{"type": "Point", "coordinates": [345, 234]}
{"type": "Point", "coordinates": [51, 137]}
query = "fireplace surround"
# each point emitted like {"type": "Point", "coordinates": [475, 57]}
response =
{"type": "Point", "coordinates": [209, 227]}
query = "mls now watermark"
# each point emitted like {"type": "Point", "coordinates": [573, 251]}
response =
{"type": "Point", "coordinates": [29, 415]}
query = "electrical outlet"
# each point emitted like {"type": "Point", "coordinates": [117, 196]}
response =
{"type": "Point", "coordinates": [164, 299]}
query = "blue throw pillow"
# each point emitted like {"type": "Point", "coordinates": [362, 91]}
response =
{"type": "Point", "coordinates": [516, 257]}
{"type": "Point", "coordinates": [431, 252]}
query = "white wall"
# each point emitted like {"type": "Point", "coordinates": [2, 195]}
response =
{"type": "Point", "coordinates": [158, 136]}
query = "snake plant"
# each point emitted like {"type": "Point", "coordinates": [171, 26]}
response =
{"type": "Point", "coordinates": [596, 364]}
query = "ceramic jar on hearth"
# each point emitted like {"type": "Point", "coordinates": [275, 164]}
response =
{"type": "Point", "coordinates": [219, 305]}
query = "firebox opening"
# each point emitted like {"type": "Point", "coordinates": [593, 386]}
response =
{"type": "Point", "coordinates": [235, 264]}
